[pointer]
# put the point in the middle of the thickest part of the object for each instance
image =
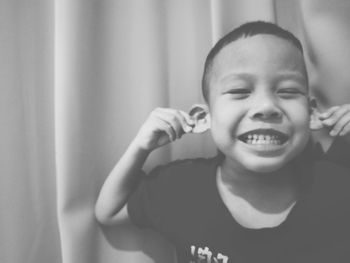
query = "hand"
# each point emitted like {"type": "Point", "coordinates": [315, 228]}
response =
{"type": "Point", "coordinates": [163, 126]}
{"type": "Point", "coordinates": [337, 120]}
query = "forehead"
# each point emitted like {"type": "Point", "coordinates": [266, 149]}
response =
{"type": "Point", "coordinates": [259, 55]}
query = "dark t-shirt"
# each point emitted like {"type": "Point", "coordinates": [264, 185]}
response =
{"type": "Point", "coordinates": [181, 201]}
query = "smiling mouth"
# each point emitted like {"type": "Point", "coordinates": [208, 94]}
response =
{"type": "Point", "coordinates": [263, 137]}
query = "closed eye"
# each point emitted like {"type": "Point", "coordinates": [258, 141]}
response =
{"type": "Point", "coordinates": [239, 93]}
{"type": "Point", "coordinates": [290, 92]}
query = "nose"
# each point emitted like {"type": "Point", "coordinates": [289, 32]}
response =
{"type": "Point", "coordinates": [265, 108]}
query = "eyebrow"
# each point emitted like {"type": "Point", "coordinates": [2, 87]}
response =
{"type": "Point", "coordinates": [294, 75]}
{"type": "Point", "coordinates": [237, 75]}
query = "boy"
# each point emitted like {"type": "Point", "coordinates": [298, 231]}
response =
{"type": "Point", "coordinates": [263, 198]}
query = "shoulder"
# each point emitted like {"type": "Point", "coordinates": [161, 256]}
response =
{"type": "Point", "coordinates": [331, 181]}
{"type": "Point", "coordinates": [330, 170]}
{"type": "Point", "coordinates": [181, 176]}
{"type": "Point", "coordinates": [338, 153]}
{"type": "Point", "coordinates": [334, 166]}
{"type": "Point", "coordinates": [170, 191]}
{"type": "Point", "coordinates": [184, 167]}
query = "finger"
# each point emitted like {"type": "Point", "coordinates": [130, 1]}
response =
{"type": "Point", "coordinates": [181, 119]}
{"type": "Point", "coordinates": [159, 115]}
{"type": "Point", "coordinates": [170, 117]}
{"type": "Point", "coordinates": [336, 116]}
{"type": "Point", "coordinates": [165, 127]}
{"type": "Point", "coordinates": [345, 130]}
{"type": "Point", "coordinates": [189, 122]}
{"type": "Point", "coordinates": [329, 112]}
{"type": "Point", "coordinates": [184, 120]}
{"type": "Point", "coordinates": [340, 125]}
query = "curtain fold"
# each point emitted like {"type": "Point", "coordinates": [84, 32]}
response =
{"type": "Point", "coordinates": [79, 77]}
{"type": "Point", "coordinates": [28, 222]}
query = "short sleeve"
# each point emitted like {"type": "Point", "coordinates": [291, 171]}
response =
{"type": "Point", "coordinates": [168, 199]}
{"type": "Point", "coordinates": [144, 205]}
{"type": "Point", "coordinates": [339, 153]}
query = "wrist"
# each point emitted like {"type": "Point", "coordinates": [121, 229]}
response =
{"type": "Point", "coordinates": [138, 148]}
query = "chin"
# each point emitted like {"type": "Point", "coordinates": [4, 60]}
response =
{"type": "Point", "coordinates": [265, 166]}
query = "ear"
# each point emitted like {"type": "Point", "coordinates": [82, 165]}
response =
{"type": "Point", "coordinates": [315, 122]}
{"type": "Point", "coordinates": [201, 117]}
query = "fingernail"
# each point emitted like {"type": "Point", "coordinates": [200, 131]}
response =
{"type": "Point", "coordinates": [187, 128]}
{"type": "Point", "coordinates": [191, 121]}
{"type": "Point", "coordinates": [328, 122]}
{"type": "Point", "coordinates": [333, 133]}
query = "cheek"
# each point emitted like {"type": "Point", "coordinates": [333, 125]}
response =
{"type": "Point", "coordinates": [224, 123]}
{"type": "Point", "coordinates": [300, 121]}
{"type": "Point", "coordinates": [219, 128]}
{"type": "Point", "coordinates": [298, 113]}
{"type": "Point", "coordinates": [302, 118]}
{"type": "Point", "coordinates": [225, 115]}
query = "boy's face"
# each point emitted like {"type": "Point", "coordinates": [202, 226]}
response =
{"type": "Point", "coordinates": [258, 103]}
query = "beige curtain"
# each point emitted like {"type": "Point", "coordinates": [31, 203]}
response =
{"type": "Point", "coordinates": [78, 77]}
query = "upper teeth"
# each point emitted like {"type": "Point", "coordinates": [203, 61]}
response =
{"type": "Point", "coordinates": [262, 139]}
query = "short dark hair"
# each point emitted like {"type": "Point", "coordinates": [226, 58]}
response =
{"type": "Point", "coordinates": [245, 30]}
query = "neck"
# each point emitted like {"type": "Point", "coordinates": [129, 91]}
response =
{"type": "Point", "coordinates": [268, 192]}
{"type": "Point", "coordinates": [232, 173]}
{"type": "Point", "coordinates": [232, 176]}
